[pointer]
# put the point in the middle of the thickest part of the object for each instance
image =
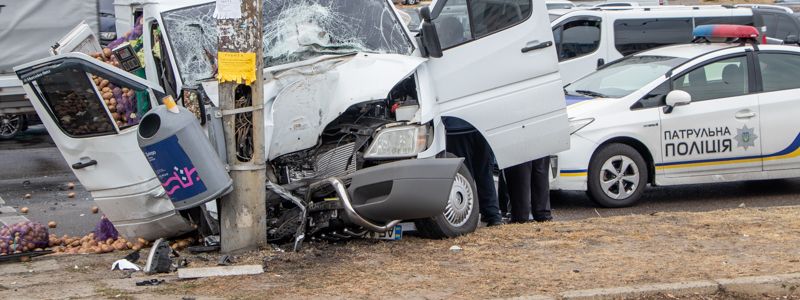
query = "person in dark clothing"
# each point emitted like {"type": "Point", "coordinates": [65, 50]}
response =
{"type": "Point", "coordinates": [502, 195]}
{"type": "Point", "coordinates": [529, 190]}
{"type": "Point", "coordinates": [465, 141]}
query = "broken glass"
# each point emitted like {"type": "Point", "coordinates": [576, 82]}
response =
{"type": "Point", "coordinates": [294, 30]}
{"type": "Point", "coordinates": [192, 33]}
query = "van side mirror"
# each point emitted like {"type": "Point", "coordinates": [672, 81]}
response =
{"type": "Point", "coordinates": [791, 40]}
{"type": "Point", "coordinates": [429, 39]}
{"type": "Point", "coordinates": [676, 98]}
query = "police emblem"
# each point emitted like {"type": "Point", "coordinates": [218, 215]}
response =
{"type": "Point", "coordinates": [745, 137]}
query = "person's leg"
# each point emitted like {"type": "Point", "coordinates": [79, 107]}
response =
{"type": "Point", "coordinates": [482, 167]}
{"type": "Point", "coordinates": [502, 194]}
{"type": "Point", "coordinates": [540, 189]}
{"type": "Point", "coordinates": [518, 179]}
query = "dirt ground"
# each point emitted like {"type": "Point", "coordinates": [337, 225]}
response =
{"type": "Point", "coordinates": [505, 261]}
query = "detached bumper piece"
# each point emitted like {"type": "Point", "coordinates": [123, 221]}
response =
{"type": "Point", "coordinates": [392, 192]}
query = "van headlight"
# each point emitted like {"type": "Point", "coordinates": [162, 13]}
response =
{"type": "Point", "coordinates": [398, 142]}
{"type": "Point", "coordinates": [578, 124]}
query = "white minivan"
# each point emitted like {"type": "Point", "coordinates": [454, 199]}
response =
{"type": "Point", "coordinates": [589, 38]}
{"type": "Point", "coordinates": [341, 158]}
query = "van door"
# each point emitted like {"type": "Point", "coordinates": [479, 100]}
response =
{"type": "Point", "coordinates": [577, 40]}
{"type": "Point", "coordinates": [79, 39]}
{"type": "Point", "coordinates": [91, 110]}
{"type": "Point", "coordinates": [499, 72]}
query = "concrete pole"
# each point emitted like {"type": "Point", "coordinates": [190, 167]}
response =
{"type": "Point", "coordinates": [243, 223]}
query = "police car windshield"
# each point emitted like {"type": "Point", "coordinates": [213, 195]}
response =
{"type": "Point", "coordinates": [623, 77]}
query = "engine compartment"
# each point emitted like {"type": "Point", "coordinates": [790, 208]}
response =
{"type": "Point", "coordinates": [339, 152]}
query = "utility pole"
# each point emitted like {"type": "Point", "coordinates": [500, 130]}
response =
{"type": "Point", "coordinates": [243, 212]}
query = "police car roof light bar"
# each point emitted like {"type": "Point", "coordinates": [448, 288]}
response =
{"type": "Point", "coordinates": [741, 32]}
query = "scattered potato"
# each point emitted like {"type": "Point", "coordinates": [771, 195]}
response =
{"type": "Point", "coordinates": [52, 224]}
{"type": "Point", "coordinates": [95, 209]}
{"type": "Point", "coordinates": [24, 210]}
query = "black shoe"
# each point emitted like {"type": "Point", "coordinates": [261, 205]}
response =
{"type": "Point", "coordinates": [543, 219]}
{"type": "Point", "coordinates": [494, 223]}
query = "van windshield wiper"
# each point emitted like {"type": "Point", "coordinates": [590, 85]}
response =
{"type": "Point", "coordinates": [591, 93]}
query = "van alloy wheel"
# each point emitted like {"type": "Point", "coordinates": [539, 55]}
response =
{"type": "Point", "coordinates": [619, 177]}
{"type": "Point", "coordinates": [459, 205]}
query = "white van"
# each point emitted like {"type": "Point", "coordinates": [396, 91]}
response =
{"type": "Point", "coordinates": [341, 162]}
{"type": "Point", "coordinates": [587, 39]}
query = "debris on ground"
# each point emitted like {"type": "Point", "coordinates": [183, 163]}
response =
{"type": "Point", "coordinates": [71, 195]}
{"type": "Point", "coordinates": [189, 273]}
{"type": "Point", "coordinates": [455, 248]}
{"type": "Point", "coordinates": [27, 196]}
{"type": "Point", "coordinates": [158, 259]}
{"type": "Point", "coordinates": [124, 264]}
{"type": "Point", "coordinates": [24, 210]}
{"type": "Point", "coordinates": [149, 282]}
{"type": "Point", "coordinates": [52, 224]}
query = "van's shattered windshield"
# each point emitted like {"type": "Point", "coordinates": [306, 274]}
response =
{"type": "Point", "coordinates": [294, 30]}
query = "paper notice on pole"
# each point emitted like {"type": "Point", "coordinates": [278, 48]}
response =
{"type": "Point", "coordinates": [228, 9]}
{"type": "Point", "coordinates": [236, 67]}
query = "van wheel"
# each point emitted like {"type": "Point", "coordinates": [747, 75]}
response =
{"type": "Point", "coordinates": [461, 213]}
{"type": "Point", "coordinates": [11, 125]}
{"type": "Point", "coordinates": [617, 176]}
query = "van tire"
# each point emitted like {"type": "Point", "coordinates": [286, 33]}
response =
{"type": "Point", "coordinates": [624, 171]}
{"type": "Point", "coordinates": [440, 226]}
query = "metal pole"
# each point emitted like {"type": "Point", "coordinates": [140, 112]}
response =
{"type": "Point", "coordinates": [243, 212]}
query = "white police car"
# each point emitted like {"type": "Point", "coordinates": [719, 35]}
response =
{"type": "Point", "coordinates": [695, 113]}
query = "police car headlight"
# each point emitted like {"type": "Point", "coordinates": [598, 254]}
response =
{"type": "Point", "coordinates": [398, 142]}
{"type": "Point", "coordinates": [578, 124]}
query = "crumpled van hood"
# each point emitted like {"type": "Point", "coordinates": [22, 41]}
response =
{"type": "Point", "coordinates": [301, 101]}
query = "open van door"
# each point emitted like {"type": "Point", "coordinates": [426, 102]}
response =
{"type": "Point", "coordinates": [91, 110]}
{"type": "Point", "coordinates": [499, 72]}
{"type": "Point", "coordinates": [79, 39]}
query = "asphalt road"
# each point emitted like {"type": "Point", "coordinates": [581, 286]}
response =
{"type": "Point", "coordinates": [32, 164]}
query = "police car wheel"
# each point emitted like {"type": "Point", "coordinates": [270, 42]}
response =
{"type": "Point", "coordinates": [461, 213]}
{"type": "Point", "coordinates": [617, 176]}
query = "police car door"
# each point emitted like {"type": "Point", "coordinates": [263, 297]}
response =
{"type": "Point", "coordinates": [499, 73]}
{"type": "Point", "coordinates": [91, 110]}
{"type": "Point", "coordinates": [780, 107]}
{"type": "Point", "coordinates": [718, 132]}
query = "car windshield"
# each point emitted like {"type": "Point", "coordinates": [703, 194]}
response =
{"type": "Point", "coordinates": [623, 77]}
{"type": "Point", "coordinates": [294, 30]}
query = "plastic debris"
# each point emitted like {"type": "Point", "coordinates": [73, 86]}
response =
{"type": "Point", "coordinates": [455, 248]}
{"type": "Point", "coordinates": [124, 264]}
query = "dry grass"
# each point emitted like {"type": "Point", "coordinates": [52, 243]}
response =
{"type": "Point", "coordinates": [507, 261]}
{"type": "Point", "coordinates": [525, 259]}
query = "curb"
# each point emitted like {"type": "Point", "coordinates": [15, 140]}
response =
{"type": "Point", "coordinates": [751, 286]}
{"type": "Point", "coordinates": [9, 215]}
{"type": "Point", "coordinates": [678, 289]}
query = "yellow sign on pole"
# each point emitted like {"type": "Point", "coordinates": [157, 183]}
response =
{"type": "Point", "coordinates": [237, 67]}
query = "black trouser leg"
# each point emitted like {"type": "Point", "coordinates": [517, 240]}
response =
{"type": "Point", "coordinates": [502, 194]}
{"type": "Point", "coordinates": [518, 179]}
{"type": "Point", "coordinates": [478, 158]}
{"type": "Point", "coordinates": [540, 189]}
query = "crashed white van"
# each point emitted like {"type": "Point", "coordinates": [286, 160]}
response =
{"type": "Point", "coordinates": [353, 103]}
